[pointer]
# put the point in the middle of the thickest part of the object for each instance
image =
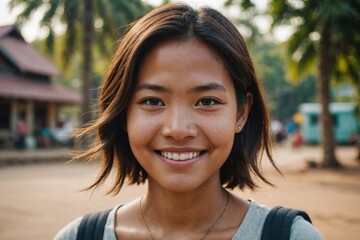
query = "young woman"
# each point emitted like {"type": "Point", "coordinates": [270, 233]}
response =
{"type": "Point", "coordinates": [182, 110]}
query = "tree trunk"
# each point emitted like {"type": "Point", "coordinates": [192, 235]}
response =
{"type": "Point", "coordinates": [326, 120]}
{"type": "Point", "coordinates": [357, 134]}
{"type": "Point", "coordinates": [86, 108]}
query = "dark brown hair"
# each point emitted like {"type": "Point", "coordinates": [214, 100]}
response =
{"type": "Point", "coordinates": [178, 21]}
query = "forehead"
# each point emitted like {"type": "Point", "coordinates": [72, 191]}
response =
{"type": "Point", "coordinates": [188, 58]}
{"type": "Point", "coordinates": [191, 47]}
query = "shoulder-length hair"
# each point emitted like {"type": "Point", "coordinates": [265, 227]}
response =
{"type": "Point", "coordinates": [181, 22]}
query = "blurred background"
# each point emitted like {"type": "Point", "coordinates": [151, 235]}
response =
{"type": "Point", "coordinates": [54, 54]}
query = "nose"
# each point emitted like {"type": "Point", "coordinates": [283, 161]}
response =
{"type": "Point", "coordinates": [179, 124]}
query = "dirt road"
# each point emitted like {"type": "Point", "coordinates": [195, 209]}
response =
{"type": "Point", "coordinates": [37, 200]}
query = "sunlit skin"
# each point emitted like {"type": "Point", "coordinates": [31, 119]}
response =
{"type": "Point", "coordinates": [181, 122]}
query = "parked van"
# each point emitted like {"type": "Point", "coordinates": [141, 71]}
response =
{"type": "Point", "coordinates": [344, 119]}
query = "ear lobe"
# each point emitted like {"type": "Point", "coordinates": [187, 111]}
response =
{"type": "Point", "coordinates": [239, 126]}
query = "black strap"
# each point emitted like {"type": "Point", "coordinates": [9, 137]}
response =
{"type": "Point", "coordinates": [278, 223]}
{"type": "Point", "coordinates": [92, 226]}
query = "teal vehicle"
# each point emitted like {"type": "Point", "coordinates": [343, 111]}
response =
{"type": "Point", "coordinates": [344, 118]}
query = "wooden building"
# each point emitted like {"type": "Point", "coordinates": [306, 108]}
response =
{"type": "Point", "coordinates": [26, 89]}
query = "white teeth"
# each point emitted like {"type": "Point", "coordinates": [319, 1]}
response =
{"type": "Point", "coordinates": [180, 156]}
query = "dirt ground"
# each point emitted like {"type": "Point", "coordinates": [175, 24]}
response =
{"type": "Point", "coordinates": [37, 200]}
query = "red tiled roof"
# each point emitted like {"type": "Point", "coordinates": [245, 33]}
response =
{"type": "Point", "coordinates": [26, 58]}
{"type": "Point", "coordinates": [19, 87]}
{"type": "Point", "coordinates": [6, 29]}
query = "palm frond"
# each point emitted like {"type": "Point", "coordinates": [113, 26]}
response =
{"type": "Point", "coordinates": [29, 7]}
{"type": "Point", "coordinates": [50, 14]}
{"type": "Point", "coordinates": [50, 41]}
{"type": "Point", "coordinates": [307, 60]}
{"type": "Point", "coordinates": [72, 19]}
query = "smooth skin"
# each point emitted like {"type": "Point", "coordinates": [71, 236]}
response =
{"type": "Point", "coordinates": [184, 107]}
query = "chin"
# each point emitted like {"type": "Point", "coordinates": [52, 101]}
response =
{"type": "Point", "coordinates": [181, 183]}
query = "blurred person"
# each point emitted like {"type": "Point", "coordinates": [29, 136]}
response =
{"type": "Point", "coordinates": [291, 127]}
{"type": "Point", "coordinates": [45, 138]}
{"type": "Point", "coordinates": [44, 135]}
{"type": "Point", "coordinates": [297, 139]}
{"type": "Point", "coordinates": [63, 132]}
{"type": "Point", "coordinates": [21, 133]}
{"type": "Point", "coordinates": [181, 110]}
{"type": "Point", "coordinates": [281, 136]}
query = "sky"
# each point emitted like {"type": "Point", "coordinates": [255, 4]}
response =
{"type": "Point", "coordinates": [31, 30]}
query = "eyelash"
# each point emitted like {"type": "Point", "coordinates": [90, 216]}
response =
{"type": "Point", "coordinates": [150, 102]}
{"type": "Point", "coordinates": [147, 101]}
{"type": "Point", "coordinates": [212, 100]}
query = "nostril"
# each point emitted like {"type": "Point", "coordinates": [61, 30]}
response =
{"type": "Point", "coordinates": [179, 130]}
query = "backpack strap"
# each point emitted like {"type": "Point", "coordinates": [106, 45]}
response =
{"type": "Point", "coordinates": [278, 223]}
{"type": "Point", "coordinates": [92, 226]}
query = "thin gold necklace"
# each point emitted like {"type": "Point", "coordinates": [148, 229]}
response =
{"type": "Point", "coordinates": [207, 232]}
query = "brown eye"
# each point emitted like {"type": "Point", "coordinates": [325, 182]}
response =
{"type": "Point", "coordinates": [207, 102]}
{"type": "Point", "coordinates": [152, 102]}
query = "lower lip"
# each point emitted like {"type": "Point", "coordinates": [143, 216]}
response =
{"type": "Point", "coordinates": [180, 164]}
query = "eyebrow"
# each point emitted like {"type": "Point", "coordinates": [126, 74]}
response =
{"type": "Point", "coordinates": [208, 87]}
{"type": "Point", "coordinates": [149, 86]}
{"type": "Point", "coordinates": [200, 88]}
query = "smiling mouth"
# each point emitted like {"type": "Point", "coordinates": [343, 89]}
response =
{"type": "Point", "coordinates": [179, 156]}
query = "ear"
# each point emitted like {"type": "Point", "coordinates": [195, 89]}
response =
{"type": "Point", "coordinates": [243, 112]}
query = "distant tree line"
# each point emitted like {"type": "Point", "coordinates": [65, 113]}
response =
{"type": "Point", "coordinates": [323, 48]}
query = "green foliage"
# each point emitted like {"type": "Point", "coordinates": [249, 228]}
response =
{"type": "Point", "coordinates": [246, 20]}
{"type": "Point", "coordinates": [325, 32]}
{"type": "Point", "coordinates": [283, 95]}
{"type": "Point", "coordinates": [86, 22]}
{"type": "Point", "coordinates": [298, 64]}
{"type": "Point", "coordinates": [110, 17]}
{"type": "Point", "coordinates": [245, 5]}
{"type": "Point", "coordinates": [283, 89]}
{"type": "Point", "coordinates": [309, 18]}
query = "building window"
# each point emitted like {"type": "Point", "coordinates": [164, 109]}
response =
{"type": "Point", "coordinates": [314, 119]}
{"type": "Point", "coordinates": [335, 120]}
{"type": "Point", "coordinates": [4, 116]}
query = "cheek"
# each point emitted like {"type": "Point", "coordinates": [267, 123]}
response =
{"type": "Point", "coordinates": [223, 137]}
{"type": "Point", "coordinates": [221, 131]}
{"type": "Point", "coordinates": [134, 131]}
{"type": "Point", "coordinates": [140, 130]}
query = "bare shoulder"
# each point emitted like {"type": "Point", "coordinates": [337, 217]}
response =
{"type": "Point", "coordinates": [239, 207]}
{"type": "Point", "coordinates": [127, 224]}
{"type": "Point", "coordinates": [234, 217]}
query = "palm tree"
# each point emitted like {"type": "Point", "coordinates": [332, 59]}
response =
{"type": "Point", "coordinates": [86, 111]}
{"type": "Point", "coordinates": [98, 21]}
{"type": "Point", "coordinates": [326, 32]}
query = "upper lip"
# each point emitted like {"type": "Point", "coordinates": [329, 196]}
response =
{"type": "Point", "coordinates": [179, 149]}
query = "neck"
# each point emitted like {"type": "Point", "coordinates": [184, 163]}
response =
{"type": "Point", "coordinates": [193, 211]}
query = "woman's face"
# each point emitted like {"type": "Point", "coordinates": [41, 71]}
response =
{"type": "Point", "coordinates": [183, 115]}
